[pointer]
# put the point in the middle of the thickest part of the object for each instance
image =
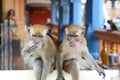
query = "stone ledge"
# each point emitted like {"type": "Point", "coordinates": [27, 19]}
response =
{"type": "Point", "coordinates": [84, 75]}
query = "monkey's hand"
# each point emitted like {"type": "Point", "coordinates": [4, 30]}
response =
{"type": "Point", "coordinates": [60, 78]}
{"type": "Point", "coordinates": [101, 72]}
{"type": "Point", "coordinates": [32, 46]}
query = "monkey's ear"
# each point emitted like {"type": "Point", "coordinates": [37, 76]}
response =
{"type": "Point", "coordinates": [28, 29]}
{"type": "Point", "coordinates": [83, 30]}
{"type": "Point", "coordinates": [46, 30]}
{"type": "Point", "coordinates": [31, 31]}
{"type": "Point", "coordinates": [66, 30]}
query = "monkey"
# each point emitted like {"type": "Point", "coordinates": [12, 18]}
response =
{"type": "Point", "coordinates": [39, 51]}
{"type": "Point", "coordinates": [73, 54]}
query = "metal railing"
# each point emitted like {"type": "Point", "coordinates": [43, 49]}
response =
{"type": "Point", "coordinates": [6, 47]}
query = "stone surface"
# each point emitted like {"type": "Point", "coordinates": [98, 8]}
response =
{"type": "Point", "coordinates": [84, 75]}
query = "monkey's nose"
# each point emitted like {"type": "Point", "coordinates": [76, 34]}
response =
{"type": "Point", "coordinates": [72, 44]}
{"type": "Point", "coordinates": [37, 41]}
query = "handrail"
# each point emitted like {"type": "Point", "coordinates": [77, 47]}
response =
{"type": "Point", "coordinates": [111, 36]}
{"type": "Point", "coordinates": [113, 40]}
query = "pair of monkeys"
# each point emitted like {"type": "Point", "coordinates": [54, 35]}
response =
{"type": "Point", "coordinates": [71, 56]}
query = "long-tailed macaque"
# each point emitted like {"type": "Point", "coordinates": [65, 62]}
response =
{"type": "Point", "coordinates": [40, 51]}
{"type": "Point", "coordinates": [73, 54]}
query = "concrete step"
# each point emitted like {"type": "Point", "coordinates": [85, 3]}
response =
{"type": "Point", "coordinates": [84, 75]}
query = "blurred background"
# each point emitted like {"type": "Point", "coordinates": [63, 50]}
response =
{"type": "Point", "coordinates": [99, 18]}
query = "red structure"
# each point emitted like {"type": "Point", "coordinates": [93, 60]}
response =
{"type": "Point", "coordinates": [39, 15]}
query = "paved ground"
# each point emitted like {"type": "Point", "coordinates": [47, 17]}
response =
{"type": "Point", "coordinates": [84, 75]}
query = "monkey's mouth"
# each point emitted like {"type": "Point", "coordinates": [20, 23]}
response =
{"type": "Point", "coordinates": [72, 45]}
{"type": "Point", "coordinates": [37, 42]}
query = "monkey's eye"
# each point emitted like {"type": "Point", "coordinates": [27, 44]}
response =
{"type": "Point", "coordinates": [34, 35]}
{"type": "Point", "coordinates": [68, 39]}
{"type": "Point", "coordinates": [40, 36]}
{"type": "Point", "coordinates": [83, 32]}
{"type": "Point", "coordinates": [69, 35]}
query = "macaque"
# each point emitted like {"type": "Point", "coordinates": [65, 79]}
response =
{"type": "Point", "coordinates": [39, 51]}
{"type": "Point", "coordinates": [73, 54]}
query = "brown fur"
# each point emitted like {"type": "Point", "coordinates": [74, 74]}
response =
{"type": "Point", "coordinates": [72, 59]}
{"type": "Point", "coordinates": [43, 57]}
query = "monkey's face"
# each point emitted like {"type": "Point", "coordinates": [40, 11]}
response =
{"type": "Point", "coordinates": [37, 38]}
{"type": "Point", "coordinates": [73, 35]}
{"type": "Point", "coordinates": [38, 34]}
{"type": "Point", "coordinates": [72, 40]}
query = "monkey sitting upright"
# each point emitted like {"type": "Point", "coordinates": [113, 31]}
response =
{"type": "Point", "coordinates": [73, 54]}
{"type": "Point", "coordinates": [40, 47]}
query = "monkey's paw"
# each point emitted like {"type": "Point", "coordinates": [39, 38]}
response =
{"type": "Point", "coordinates": [33, 48]}
{"type": "Point", "coordinates": [101, 72]}
{"type": "Point", "coordinates": [60, 78]}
